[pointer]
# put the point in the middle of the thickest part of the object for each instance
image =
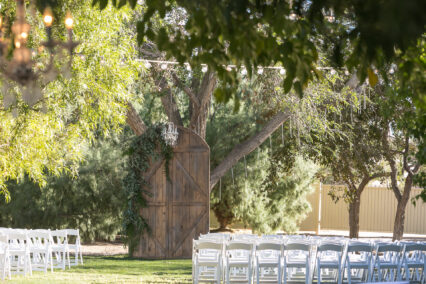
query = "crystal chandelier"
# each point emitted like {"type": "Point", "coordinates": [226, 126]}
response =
{"type": "Point", "coordinates": [20, 69]}
{"type": "Point", "coordinates": [170, 134]}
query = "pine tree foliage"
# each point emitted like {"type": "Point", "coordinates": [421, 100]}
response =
{"type": "Point", "coordinates": [267, 189]}
{"type": "Point", "coordinates": [91, 202]}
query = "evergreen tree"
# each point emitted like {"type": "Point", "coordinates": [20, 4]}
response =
{"type": "Point", "coordinates": [267, 189]}
{"type": "Point", "coordinates": [91, 202]}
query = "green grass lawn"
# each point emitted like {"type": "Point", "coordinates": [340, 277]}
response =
{"type": "Point", "coordinates": [115, 269]}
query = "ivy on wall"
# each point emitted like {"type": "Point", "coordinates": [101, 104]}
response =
{"type": "Point", "coordinates": [142, 151]}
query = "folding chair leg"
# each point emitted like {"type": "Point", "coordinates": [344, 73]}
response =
{"type": "Point", "coordinates": [318, 274]}
{"type": "Point", "coordinates": [69, 261]}
{"type": "Point", "coordinates": [81, 255]}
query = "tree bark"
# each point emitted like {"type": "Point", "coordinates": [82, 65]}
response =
{"type": "Point", "coordinates": [224, 220]}
{"type": "Point", "coordinates": [167, 99]}
{"type": "Point", "coordinates": [198, 119]}
{"type": "Point", "coordinates": [247, 147]}
{"type": "Point", "coordinates": [134, 121]}
{"type": "Point", "coordinates": [354, 207]}
{"type": "Point", "coordinates": [398, 226]}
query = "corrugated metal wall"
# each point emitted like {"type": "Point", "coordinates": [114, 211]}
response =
{"type": "Point", "coordinates": [377, 213]}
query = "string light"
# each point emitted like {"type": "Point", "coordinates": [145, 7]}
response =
{"type": "Point", "coordinates": [148, 63]}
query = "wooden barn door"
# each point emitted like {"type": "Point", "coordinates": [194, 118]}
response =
{"type": "Point", "coordinates": [178, 211]}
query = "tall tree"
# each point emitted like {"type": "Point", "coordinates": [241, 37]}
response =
{"type": "Point", "coordinates": [347, 142]}
{"type": "Point", "coordinates": [266, 32]}
{"type": "Point", "coordinates": [400, 147]}
{"type": "Point", "coordinates": [48, 137]}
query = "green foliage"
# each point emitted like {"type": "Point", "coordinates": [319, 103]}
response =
{"type": "Point", "coordinates": [266, 191]}
{"type": "Point", "coordinates": [286, 194]}
{"type": "Point", "coordinates": [142, 152]}
{"type": "Point", "coordinates": [91, 202]}
{"type": "Point", "coordinates": [264, 33]}
{"type": "Point", "coordinates": [47, 139]}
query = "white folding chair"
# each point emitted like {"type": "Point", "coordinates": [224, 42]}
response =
{"type": "Point", "coordinates": [40, 247]}
{"type": "Point", "coordinates": [387, 262]}
{"type": "Point", "coordinates": [74, 245]}
{"type": "Point", "coordinates": [4, 257]}
{"type": "Point", "coordinates": [60, 250]}
{"type": "Point", "coordinates": [358, 258]}
{"type": "Point", "coordinates": [20, 259]}
{"type": "Point", "coordinates": [268, 262]}
{"type": "Point", "coordinates": [414, 261]}
{"type": "Point", "coordinates": [297, 256]}
{"type": "Point", "coordinates": [329, 256]}
{"type": "Point", "coordinates": [239, 261]}
{"type": "Point", "coordinates": [207, 261]}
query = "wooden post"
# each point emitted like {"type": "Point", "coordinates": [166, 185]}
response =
{"type": "Point", "coordinates": [319, 210]}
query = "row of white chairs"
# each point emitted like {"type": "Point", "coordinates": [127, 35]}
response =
{"type": "Point", "coordinates": [279, 259]}
{"type": "Point", "coordinates": [23, 251]}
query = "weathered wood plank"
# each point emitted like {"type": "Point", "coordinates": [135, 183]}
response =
{"type": "Point", "coordinates": [178, 211]}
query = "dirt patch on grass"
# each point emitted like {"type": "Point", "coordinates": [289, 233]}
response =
{"type": "Point", "coordinates": [104, 248]}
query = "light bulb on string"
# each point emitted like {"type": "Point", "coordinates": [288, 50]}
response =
{"type": "Point", "coordinates": [147, 64]}
{"type": "Point", "coordinates": [282, 71]}
{"type": "Point", "coordinates": [69, 22]}
{"type": "Point", "coordinates": [260, 71]}
{"type": "Point", "coordinates": [48, 17]}
{"type": "Point", "coordinates": [229, 68]}
{"type": "Point", "coordinates": [244, 71]}
{"type": "Point", "coordinates": [188, 67]}
{"type": "Point", "coordinates": [204, 69]}
{"type": "Point", "coordinates": [163, 66]}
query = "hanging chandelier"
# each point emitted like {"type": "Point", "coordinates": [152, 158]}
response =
{"type": "Point", "coordinates": [170, 134]}
{"type": "Point", "coordinates": [20, 69]}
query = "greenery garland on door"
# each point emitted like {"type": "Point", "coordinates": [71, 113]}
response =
{"type": "Point", "coordinates": [147, 147]}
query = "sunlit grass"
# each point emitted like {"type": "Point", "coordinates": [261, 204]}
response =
{"type": "Point", "coordinates": [115, 269]}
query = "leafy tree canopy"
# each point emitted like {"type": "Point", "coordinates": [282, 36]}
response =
{"type": "Point", "coordinates": [357, 35]}
{"type": "Point", "coordinates": [47, 138]}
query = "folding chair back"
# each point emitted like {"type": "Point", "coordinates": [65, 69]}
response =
{"type": "Point", "coordinates": [40, 249]}
{"type": "Point", "coordinates": [414, 262]}
{"type": "Point", "coordinates": [74, 245]}
{"type": "Point", "coordinates": [19, 252]}
{"type": "Point", "coordinates": [239, 259]}
{"type": "Point", "coordinates": [329, 256]}
{"type": "Point", "coordinates": [268, 261]}
{"type": "Point", "coordinates": [387, 262]}
{"type": "Point", "coordinates": [60, 249]}
{"type": "Point", "coordinates": [207, 261]}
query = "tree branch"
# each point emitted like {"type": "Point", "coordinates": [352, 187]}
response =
{"type": "Point", "coordinates": [247, 147]}
{"type": "Point", "coordinates": [167, 99]}
{"type": "Point", "coordinates": [187, 90]}
{"type": "Point", "coordinates": [206, 89]}
{"type": "Point", "coordinates": [392, 164]}
{"type": "Point", "coordinates": [134, 120]}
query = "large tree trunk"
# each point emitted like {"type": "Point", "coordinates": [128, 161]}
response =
{"type": "Point", "coordinates": [224, 220]}
{"type": "Point", "coordinates": [354, 217]}
{"type": "Point", "coordinates": [134, 120]}
{"type": "Point", "coordinates": [398, 226]}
